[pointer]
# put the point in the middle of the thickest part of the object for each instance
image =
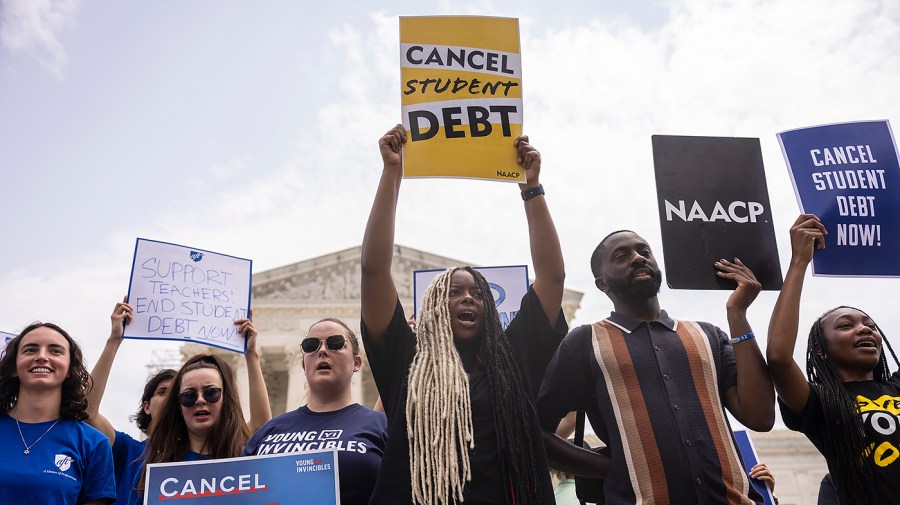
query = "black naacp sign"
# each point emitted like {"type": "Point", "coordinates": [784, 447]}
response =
{"type": "Point", "coordinates": [713, 204]}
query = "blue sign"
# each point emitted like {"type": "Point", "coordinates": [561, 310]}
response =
{"type": "Point", "coordinates": [295, 478]}
{"type": "Point", "coordinates": [748, 454]}
{"type": "Point", "coordinates": [508, 285]}
{"type": "Point", "coordinates": [849, 176]}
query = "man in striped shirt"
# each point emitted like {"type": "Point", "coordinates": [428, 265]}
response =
{"type": "Point", "coordinates": [655, 389]}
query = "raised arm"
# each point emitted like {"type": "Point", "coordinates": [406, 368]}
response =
{"type": "Point", "coordinates": [546, 254]}
{"type": "Point", "coordinates": [379, 295]}
{"type": "Point", "coordinates": [807, 235]}
{"type": "Point", "coordinates": [260, 412]}
{"type": "Point", "coordinates": [752, 399]}
{"type": "Point", "coordinates": [121, 315]}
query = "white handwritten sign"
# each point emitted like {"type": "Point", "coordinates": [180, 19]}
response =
{"type": "Point", "coordinates": [184, 293]}
{"type": "Point", "coordinates": [508, 285]}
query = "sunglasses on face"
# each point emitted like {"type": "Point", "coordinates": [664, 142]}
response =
{"type": "Point", "coordinates": [188, 398]}
{"type": "Point", "coordinates": [333, 343]}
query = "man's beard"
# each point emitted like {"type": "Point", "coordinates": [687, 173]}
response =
{"type": "Point", "coordinates": [629, 290]}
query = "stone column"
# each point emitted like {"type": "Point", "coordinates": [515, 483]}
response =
{"type": "Point", "coordinates": [242, 381]}
{"type": "Point", "coordinates": [296, 384]}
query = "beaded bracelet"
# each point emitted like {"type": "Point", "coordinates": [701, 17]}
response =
{"type": "Point", "coordinates": [746, 336]}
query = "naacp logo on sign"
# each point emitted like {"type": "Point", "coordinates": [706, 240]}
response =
{"type": "Point", "coordinates": [196, 255]}
{"type": "Point", "coordinates": [63, 462]}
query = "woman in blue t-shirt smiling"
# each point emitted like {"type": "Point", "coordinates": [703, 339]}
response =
{"type": "Point", "coordinates": [331, 419]}
{"type": "Point", "coordinates": [61, 460]}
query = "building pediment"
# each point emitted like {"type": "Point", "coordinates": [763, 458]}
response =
{"type": "Point", "coordinates": [335, 277]}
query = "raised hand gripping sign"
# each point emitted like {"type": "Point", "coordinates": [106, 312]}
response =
{"type": "Point", "coordinates": [299, 477]}
{"type": "Point", "coordinates": [184, 293]}
{"type": "Point", "coordinates": [750, 458]}
{"type": "Point", "coordinates": [713, 204]}
{"type": "Point", "coordinates": [848, 174]}
{"type": "Point", "coordinates": [461, 97]}
{"type": "Point", "coordinates": [508, 285]}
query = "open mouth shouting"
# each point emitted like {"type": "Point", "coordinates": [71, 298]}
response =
{"type": "Point", "coordinates": [467, 322]}
{"type": "Point", "coordinates": [201, 415]}
{"type": "Point", "coordinates": [324, 365]}
{"type": "Point", "coordinates": [866, 343]}
{"type": "Point", "coordinates": [467, 318]}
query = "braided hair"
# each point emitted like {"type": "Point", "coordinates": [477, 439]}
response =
{"type": "Point", "coordinates": [845, 436]}
{"type": "Point", "coordinates": [439, 408]}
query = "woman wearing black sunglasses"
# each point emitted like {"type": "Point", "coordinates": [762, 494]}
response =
{"type": "Point", "coordinates": [128, 453]}
{"type": "Point", "coordinates": [330, 358]}
{"type": "Point", "coordinates": [201, 416]}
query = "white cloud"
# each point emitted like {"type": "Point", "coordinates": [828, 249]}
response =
{"type": "Point", "coordinates": [226, 169]}
{"type": "Point", "coordinates": [32, 26]}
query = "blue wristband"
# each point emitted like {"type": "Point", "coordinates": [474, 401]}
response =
{"type": "Point", "coordinates": [746, 336]}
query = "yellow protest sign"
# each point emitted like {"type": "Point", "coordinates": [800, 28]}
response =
{"type": "Point", "coordinates": [461, 96]}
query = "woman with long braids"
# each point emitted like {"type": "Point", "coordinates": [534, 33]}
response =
{"type": "Point", "coordinates": [48, 455]}
{"type": "Point", "coordinates": [846, 403]}
{"type": "Point", "coordinates": [459, 393]}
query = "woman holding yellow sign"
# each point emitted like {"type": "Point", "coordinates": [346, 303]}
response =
{"type": "Point", "coordinates": [459, 393]}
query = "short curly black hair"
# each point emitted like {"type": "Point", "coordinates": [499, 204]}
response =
{"type": "Point", "coordinates": [74, 388]}
{"type": "Point", "coordinates": [598, 253]}
{"type": "Point", "coordinates": [141, 418]}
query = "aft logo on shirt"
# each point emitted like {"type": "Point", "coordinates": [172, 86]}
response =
{"type": "Point", "coordinates": [881, 418]}
{"type": "Point", "coordinates": [63, 462]}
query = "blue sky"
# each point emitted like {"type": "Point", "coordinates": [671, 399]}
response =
{"type": "Point", "coordinates": [251, 129]}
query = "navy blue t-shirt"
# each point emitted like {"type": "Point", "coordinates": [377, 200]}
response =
{"type": "Point", "coordinates": [359, 435]}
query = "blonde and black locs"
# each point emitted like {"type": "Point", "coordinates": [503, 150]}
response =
{"type": "Point", "coordinates": [845, 434]}
{"type": "Point", "coordinates": [439, 408]}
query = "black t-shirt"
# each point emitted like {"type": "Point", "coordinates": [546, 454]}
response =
{"type": "Point", "coordinates": [533, 341]}
{"type": "Point", "coordinates": [827, 492]}
{"type": "Point", "coordinates": [879, 405]}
